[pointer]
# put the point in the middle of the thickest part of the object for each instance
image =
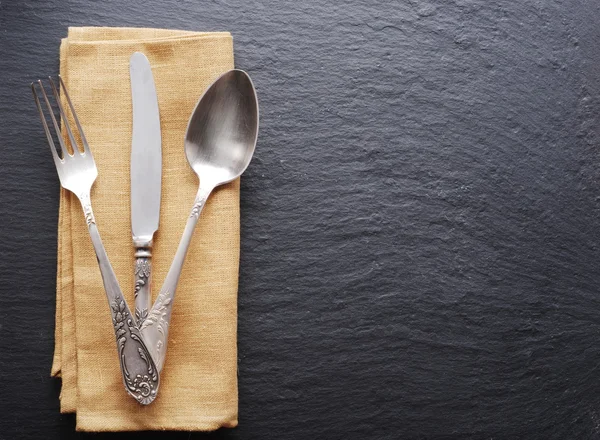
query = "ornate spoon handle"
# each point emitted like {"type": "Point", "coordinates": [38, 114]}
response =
{"type": "Point", "coordinates": [155, 328]}
{"type": "Point", "coordinates": [140, 376]}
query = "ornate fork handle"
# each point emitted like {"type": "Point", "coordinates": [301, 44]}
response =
{"type": "Point", "coordinates": [140, 375]}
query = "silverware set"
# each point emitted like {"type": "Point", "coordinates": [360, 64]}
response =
{"type": "Point", "coordinates": [219, 144]}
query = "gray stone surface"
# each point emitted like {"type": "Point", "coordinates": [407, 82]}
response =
{"type": "Point", "coordinates": [419, 225]}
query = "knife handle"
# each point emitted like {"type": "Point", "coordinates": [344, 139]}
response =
{"type": "Point", "coordinates": [143, 271]}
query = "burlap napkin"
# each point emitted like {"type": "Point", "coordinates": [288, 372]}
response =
{"type": "Point", "coordinates": [198, 388]}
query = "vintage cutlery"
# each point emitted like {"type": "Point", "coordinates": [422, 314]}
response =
{"type": "Point", "coordinates": [146, 164]}
{"type": "Point", "coordinates": [77, 172]}
{"type": "Point", "coordinates": [219, 143]}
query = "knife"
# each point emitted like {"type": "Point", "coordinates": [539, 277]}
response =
{"type": "Point", "coordinates": [146, 164]}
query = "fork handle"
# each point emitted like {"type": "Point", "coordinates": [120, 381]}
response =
{"type": "Point", "coordinates": [140, 376]}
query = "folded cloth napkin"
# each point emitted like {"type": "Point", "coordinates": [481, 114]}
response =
{"type": "Point", "coordinates": [198, 388]}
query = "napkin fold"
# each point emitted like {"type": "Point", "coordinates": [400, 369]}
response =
{"type": "Point", "coordinates": [198, 389]}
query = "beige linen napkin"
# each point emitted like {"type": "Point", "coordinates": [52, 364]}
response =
{"type": "Point", "coordinates": [198, 388]}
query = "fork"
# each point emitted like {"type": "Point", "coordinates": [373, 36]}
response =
{"type": "Point", "coordinates": [77, 173]}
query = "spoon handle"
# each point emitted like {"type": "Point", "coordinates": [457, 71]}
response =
{"type": "Point", "coordinates": [155, 328]}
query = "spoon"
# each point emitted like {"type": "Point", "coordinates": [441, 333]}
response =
{"type": "Point", "coordinates": [219, 143]}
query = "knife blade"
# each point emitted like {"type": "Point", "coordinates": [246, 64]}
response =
{"type": "Point", "coordinates": [146, 174]}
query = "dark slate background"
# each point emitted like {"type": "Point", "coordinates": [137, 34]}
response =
{"type": "Point", "coordinates": [419, 224]}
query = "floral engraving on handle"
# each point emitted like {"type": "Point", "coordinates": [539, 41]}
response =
{"type": "Point", "coordinates": [198, 204]}
{"type": "Point", "coordinates": [142, 273]}
{"type": "Point", "coordinates": [143, 387]}
{"type": "Point", "coordinates": [158, 316]}
{"type": "Point", "coordinates": [86, 204]}
{"type": "Point", "coordinates": [140, 315]}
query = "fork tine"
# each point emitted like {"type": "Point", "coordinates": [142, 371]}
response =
{"type": "Point", "coordinates": [63, 115]}
{"type": "Point", "coordinates": [86, 147]}
{"type": "Point", "coordinates": [61, 141]}
{"type": "Point", "coordinates": [57, 159]}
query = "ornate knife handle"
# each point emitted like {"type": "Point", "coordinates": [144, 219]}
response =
{"type": "Point", "coordinates": [142, 270]}
{"type": "Point", "coordinates": [140, 376]}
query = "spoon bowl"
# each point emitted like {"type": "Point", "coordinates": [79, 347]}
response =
{"type": "Point", "coordinates": [222, 131]}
